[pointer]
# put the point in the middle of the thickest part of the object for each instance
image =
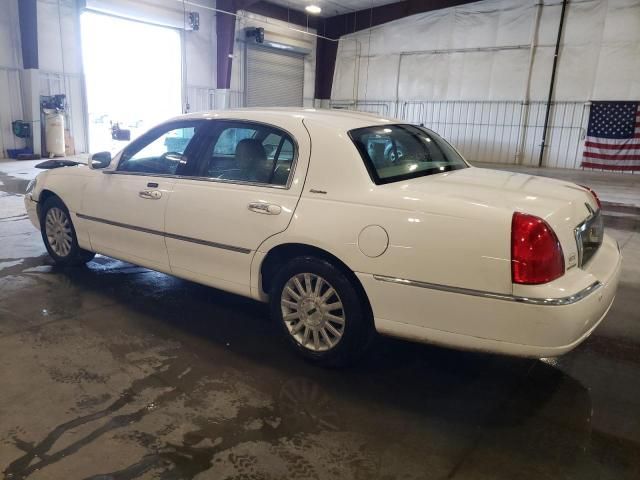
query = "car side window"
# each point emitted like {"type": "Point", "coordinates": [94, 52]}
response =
{"type": "Point", "coordinates": [163, 153]}
{"type": "Point", "coordinates": [229, 138]}
{"type": "Point", "coordinates": [400, 152]}
{"type": "Point", "coordinates": [253, 153]}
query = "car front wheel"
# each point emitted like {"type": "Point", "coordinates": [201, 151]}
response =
{"type": "Point", "coordinates": [59, 236]}
{"type": "Point", "coordinates": [321, 313]}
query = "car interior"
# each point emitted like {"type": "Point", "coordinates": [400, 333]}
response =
{"type": "Point", "coordinates": [260, 154]}
{"type": "Point", "coordinates": [235, 151]}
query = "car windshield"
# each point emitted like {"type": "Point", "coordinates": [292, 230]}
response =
{"type": "Point", "coordinates": [401, 152]}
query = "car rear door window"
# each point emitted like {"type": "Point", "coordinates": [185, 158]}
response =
{"type": "Point", "coordinates": [249, 153]}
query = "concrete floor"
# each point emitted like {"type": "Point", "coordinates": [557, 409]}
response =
{"type": "Point", "coordinates": [117, 372]}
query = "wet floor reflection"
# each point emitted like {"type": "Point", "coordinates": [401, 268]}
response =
{"type": "Point", "coordinates": [403, 412]}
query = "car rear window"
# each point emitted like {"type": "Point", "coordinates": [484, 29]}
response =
{"type": "Point", "coordinates": [401, 152]}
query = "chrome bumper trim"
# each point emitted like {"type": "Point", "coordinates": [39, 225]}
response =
{"type": "Point", "coordinates": [576, 297]}
{"type": "Point", "coordinates": [593, 221]}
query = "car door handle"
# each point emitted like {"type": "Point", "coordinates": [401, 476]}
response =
{"type": "Point", "coordinates": [150, 194]}
{"type": "Point", "coordinates": [266, 208]}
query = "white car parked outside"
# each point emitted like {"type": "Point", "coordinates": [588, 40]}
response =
{"type": "Point", "coordinates": [347, 224]}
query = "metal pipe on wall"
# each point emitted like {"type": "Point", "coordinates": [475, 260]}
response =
{"type": "Point", "coordinates": [552, 83]}
{"type": "Point", "coordinates": [397, 114]}
{"type": "Point", "coordinates": [526, 94]}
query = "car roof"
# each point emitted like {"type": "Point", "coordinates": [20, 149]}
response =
{"type": "Point", "coordinates": [344, 120]}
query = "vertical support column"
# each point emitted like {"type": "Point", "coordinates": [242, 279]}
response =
{"type": "Point", "coordinates": [30, 75]}
{"type": "Point", "coordinates": [28, 17]}
{"type": "Point", "coordinates": [225, 34]}
{"type": "Point", "coordinates": [326, 53]}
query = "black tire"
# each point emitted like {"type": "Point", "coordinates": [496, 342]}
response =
{"type": "Point", "coordinates": [71, 256]}
{"type": "Point", "coordinates": [357, 329]}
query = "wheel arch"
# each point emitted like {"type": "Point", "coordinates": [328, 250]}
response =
{"type": "Point", "coordinates": [82, 235]}
{"type": "Point", "coordinates": [44, 195]}
{"type": "Point", "coordinates": [278, 255]}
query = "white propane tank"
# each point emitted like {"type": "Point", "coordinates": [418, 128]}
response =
{"type": "Point", "coordinates": [54, 134]}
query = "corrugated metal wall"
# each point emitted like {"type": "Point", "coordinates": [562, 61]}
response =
{"type": "Point", "coordinates": [10, 65]}
{"type": "Point", "coordinates": [10, 108]}
{"type": "Point", "coordinates": [470, 72]}
{"type": "Point", "coordinates": [506, 132]}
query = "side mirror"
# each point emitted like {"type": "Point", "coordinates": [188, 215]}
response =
{"type": "Point", "coordinates": [99, 160]}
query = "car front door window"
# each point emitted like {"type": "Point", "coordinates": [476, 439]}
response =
{"type": "Point", "coordinates": [160, 152]}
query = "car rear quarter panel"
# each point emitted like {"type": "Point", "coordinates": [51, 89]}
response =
{"type": "Point", "coordinates": [431, 239]}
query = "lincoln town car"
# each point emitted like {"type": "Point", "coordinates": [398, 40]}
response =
{"type": "Point", "coordinates": [347, 225]}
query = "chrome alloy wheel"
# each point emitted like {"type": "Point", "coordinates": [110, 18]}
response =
{"type": "Point", "coordinates": [312, 312]}
{"type": "Point", "coordinates": [58, 231]}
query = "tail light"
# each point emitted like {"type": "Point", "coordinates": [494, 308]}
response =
{"type": "Point", "coordinates": [595, 195]}
{"type": "Point", "coordinates": [536, 254]}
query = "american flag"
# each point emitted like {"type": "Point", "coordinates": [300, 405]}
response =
{"type": "Point", "coordinates": [613, 136]}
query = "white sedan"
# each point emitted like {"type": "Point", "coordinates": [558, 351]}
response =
{"type": "Point", "coordinates": [347, 224]}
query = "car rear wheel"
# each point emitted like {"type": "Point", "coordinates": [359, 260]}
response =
{"type": "Point", "coordinates": [320, 311]}
{"type": "Point", "coordinates": [59, 236]}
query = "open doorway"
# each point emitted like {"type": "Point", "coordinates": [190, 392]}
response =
{"type": "Point", "coordinates": [133, 76]}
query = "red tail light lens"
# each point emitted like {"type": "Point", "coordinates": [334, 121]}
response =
{"type": "Point", "coordinates": [595, 195]}
{"type": "Point", "coordinates": [536, 254]}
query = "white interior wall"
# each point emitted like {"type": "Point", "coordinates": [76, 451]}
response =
{"type": "Point", "coordinates": [200, 61]}
{"type": "Point", "coordinates": [599, 57]}
{"type": "Point", "coordinates": [277, 31]}
{"type": "Point", "coordinates": [465, 69]}
{"type": "Point", "coordinates": [198, 48]}
{"type": "Point", "coordinates": [60, 57]}
{"type": "Point", "coordinates": [10, 65]}
{"type": "Point", "coordinates": [60, 62]}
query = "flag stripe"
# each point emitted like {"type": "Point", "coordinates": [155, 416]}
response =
{"type": "Point", "coordinates": [604, 156]}
{"type": "Point", "coordinates": [608, 166]}
{"type": "Point", "coordinates": [612, 146]}
{"type": "Point", "coordinates": [596, 151]}
{"type": "Point", "coordinates": [612, 141]}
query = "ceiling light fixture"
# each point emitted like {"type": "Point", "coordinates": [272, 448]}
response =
{"type": "Point", "coordinates": [313, 9]}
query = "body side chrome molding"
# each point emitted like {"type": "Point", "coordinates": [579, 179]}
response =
{"type": "Point", "coordinates": [164, 234]}
{"type": "Point", "coordinates": [576, 297]}
{"type": "Point", "coordinates": [207, 243]}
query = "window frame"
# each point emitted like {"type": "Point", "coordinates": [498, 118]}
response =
{"type": "Point", "coordinates": [373, 172]}
{"type": "Point", "coordinates": [219, 125]}
{"type": "Point", "coordinates": [151, 136]}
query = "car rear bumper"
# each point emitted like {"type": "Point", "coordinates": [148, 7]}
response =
{"type": "Point", "coordinates": [531, 325]}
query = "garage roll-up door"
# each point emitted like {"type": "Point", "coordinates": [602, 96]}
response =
{"type": "Point", "coordinates": [274, 79]}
